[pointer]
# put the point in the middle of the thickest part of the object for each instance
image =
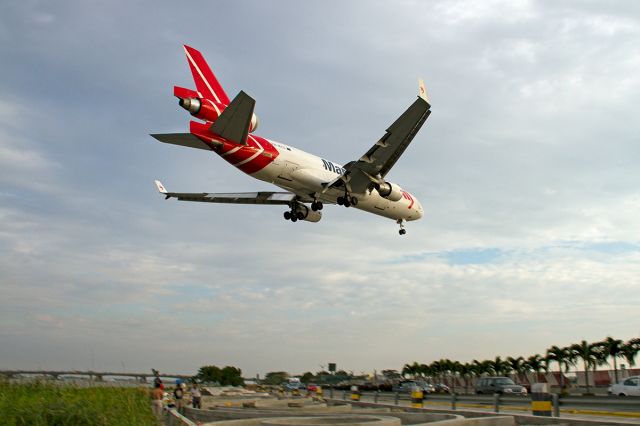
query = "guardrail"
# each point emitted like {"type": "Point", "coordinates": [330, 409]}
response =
{"type": "Point", "coordinates": [605, 405]}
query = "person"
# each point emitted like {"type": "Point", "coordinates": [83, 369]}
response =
{"type": "Point", "coordinates": [178, 396]}
{"type": "Point", "coordinates": [156, 400]}
{"type": "Point", "coordinates": [196, 396]}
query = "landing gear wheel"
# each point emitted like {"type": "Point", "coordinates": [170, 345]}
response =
{"type": "Point", "coordinates": [401, 223]}
{"type": "Point", "coordinates": [340, 201]}
{"type": "Point", "coordinates": [354, 201]}
{"type": "Point", "coordinates": [294, 219]}
{"type": "Point", "coordinates": [316, 205]}
{"type": "Point", "coordinates": [287, 215]}
{"type": "Point", "coordinates": [300, 215]}
{"type": "Point", "coordinates": [347, 203]}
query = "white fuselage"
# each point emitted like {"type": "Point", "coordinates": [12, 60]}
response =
{"type": "Point", "coordinates": [304, 174]}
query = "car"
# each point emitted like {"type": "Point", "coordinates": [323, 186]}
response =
{"type": "Point", "coordinates": [294, 386]}
{"type": "Point", "coordinates": [501, 385]}
{"type": "Point", "coordinates": [628, 387]}
{"type": "Point", "coordinates": [441, 388]}
{"type": "Point", "coordinates": [311, 387]}
{"type": "Point", "coordinates": [407, 386]}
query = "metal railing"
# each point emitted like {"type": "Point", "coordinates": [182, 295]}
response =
{"type": "Point", "coordinates": [628, 406]}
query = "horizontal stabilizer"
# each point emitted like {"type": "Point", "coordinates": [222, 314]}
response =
{"type": "Point", "coordinates": [235, 121]}
{"type": "Point", "coordinates": [181, 92]}
{"type": "Point", "coordinates": [183, 139]}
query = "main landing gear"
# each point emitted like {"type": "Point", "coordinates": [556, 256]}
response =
{"type": "Point", "coordinates": [293, 215]}
{"type": "Point", "coordinates": [316, 206]}
{"type": "Point", "coordinates": [347, 201]}
{"type": "Point", "coordinates": [402, 230]}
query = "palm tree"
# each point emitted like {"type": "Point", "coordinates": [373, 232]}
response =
{"type": "Point", "coordinates": [411, 370]}
{"type": "Point", "coordinates": [630, 349]}
{"type": "Point", "coordinates": [601, 356]}
{"type": "Point", "coordinates": [446, 368]}
{"type": "Point", "coordinates": [482, 367]}
{"type": "Point", "coordinates": [517, 365]}
{"type": "Point", "coordinates": [536, 364]}
{"type": "Point", "coordinates": [563, 357]}
{"type": "Point", "coordinates": [500, 367]}
{"type": "Point", "coordinates": [456, 369]}
{"type": "Point", "coordinates": [436, 369]}
{"type": "Point", "coordinates": [588, 353]}
{"type": "Point", "coordinates": [613, 348]}
{"type": "Point", "coordinates": [424, 371]}
{"type": "Point", "coordinates": [466, 371]}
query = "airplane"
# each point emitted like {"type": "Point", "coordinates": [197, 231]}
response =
{"type": "Point", "coordinates": [309, 182]}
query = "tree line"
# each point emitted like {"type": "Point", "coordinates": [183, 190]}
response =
{"type": "Point", "coordinates": [592, 355]}
{"type": "Point", "coordinates": [227, 376]}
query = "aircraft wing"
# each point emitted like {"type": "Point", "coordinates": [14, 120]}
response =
{"type": "Point", "coordinates": [271, 198]}
{"type": "Point", "coordinates": [381, 157]}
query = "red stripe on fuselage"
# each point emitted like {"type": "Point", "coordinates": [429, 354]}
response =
{"type": "Point", "coordinates": [235, 153]}
{"type": "Point", "coordinates": [266, 157]}
{"type": "Point", "coordinates": [408, 196]}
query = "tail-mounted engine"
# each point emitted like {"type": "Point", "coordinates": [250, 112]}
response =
{"type": "Point", "coordinates": [388, 190]}
{"type": "Point", "coordinates": [208, 110]}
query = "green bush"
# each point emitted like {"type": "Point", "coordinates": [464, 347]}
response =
{"type": "Point", "coordinates": [43, 403]}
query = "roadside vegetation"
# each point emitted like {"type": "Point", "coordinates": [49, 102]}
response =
{"type": "Point", "coordinates": [589, 355]}
{"type": "Point", "coordinates": [227, 376]}
{"type": "Point", "coordinates": [45, 403]}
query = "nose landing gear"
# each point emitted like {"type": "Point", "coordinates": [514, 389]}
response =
{"type": "Point", "coordinates": [401, 223]}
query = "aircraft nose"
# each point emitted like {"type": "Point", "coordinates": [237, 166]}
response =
{"type": "Point", "coordinates": [419, 209]}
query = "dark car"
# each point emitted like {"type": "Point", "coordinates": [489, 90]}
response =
{"type": "Point", "coordinates": [502, 385]}
{"type": "Point", "coordinates": [441, 388]}
{"type": "Point", "coordinates": [407, 386]}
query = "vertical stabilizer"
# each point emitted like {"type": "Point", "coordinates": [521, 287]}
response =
{"type": "Point", "coordinates": [205, 80]}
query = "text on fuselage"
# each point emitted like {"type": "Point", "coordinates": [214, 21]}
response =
{"type": "Point", "coordinates": [328, 165]}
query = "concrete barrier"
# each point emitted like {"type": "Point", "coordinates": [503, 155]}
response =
{"type": "Point", "coordinates": [173, 418]}
{"type": "Point", "coordinates": [237, 413]}
{"type": "Point", "coordinates": [540, 400]}
{"type": "Point", "coordinates": [345, 420]}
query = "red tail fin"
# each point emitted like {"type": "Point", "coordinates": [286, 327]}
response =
{"type": "Point", "coordinates": [205, 80]}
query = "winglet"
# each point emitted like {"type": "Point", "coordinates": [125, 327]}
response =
{"type": "Point", "coordinates": [161, 188]}
{"type": "Point", "coordinates": [423, 91]}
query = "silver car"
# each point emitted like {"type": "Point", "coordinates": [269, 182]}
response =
{"type": "Point", "coordinates": [502, 385]}
{"type": "Point", "coordinates": [627, 387]}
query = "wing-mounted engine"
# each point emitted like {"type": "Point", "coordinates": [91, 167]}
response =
{"type": "Point", "coordinates": [389, 190]}
{"type": "Point", "coordinates": [300, 211]}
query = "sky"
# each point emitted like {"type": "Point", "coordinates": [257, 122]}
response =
{"type": "Point", "coordinates": [527, 170]}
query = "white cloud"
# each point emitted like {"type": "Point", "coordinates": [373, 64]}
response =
{"type": "Point", "coordinates": [529, 151]}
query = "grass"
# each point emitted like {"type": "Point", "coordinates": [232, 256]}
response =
{"type": "Point", "coordinates": [42, 403]}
